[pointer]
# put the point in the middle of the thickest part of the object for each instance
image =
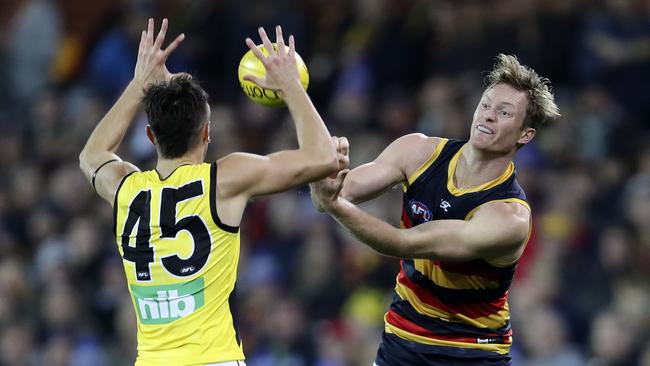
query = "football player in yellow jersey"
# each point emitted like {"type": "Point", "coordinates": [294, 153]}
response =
{"type": "Point", "coordinates": [177, 227]}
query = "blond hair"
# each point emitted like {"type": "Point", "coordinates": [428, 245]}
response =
{"type": "Point", "coordinates": [541, 103]}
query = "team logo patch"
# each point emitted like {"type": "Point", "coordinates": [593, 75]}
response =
{"type": "Point", "coordinates": [165, 303]}
{"type": "Point", "coordinates": [420, 211]}
{"type": "Point", "coordinates": [445, 205]}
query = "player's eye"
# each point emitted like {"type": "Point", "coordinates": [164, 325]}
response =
{"type": "Point", "coordinates": [504, 114]}
{"type": "Point", "coordinates": [484, 106]}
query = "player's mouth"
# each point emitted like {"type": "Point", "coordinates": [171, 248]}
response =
{"type": "Point", "coordinates": [484, 130]}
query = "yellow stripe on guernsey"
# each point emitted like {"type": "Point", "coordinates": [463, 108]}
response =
{"type": "Point", "coordinates": [451, 186]}
{"type": "Point", "coordinates": [182, 269]}
{"type": "Point", "coordinates": [494, 321]}
{"type": "Point", "coordinates": [418, 172]}
{"type": "Point", "coordinates": [453, 280]}
{"type": "Point", "coordinates": [498, 348]}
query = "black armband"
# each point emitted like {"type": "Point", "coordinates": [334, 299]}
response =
{"type": "Point", "coordinates": [97, 170]}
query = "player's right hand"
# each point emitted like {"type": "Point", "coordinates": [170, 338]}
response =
{"type": "Point", "coordinates": [150, 66]}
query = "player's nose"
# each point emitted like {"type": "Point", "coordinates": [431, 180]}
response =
{"type": "Point", "coordinates": [490, 115]}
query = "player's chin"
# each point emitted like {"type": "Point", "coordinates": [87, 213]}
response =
{"type": "Point", "coordinates": [487, 143]}
{"type": "Point", "coordinates": [482, 141]}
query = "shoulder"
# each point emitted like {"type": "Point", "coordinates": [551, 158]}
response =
{"type": "Point", "coordinates": [417, 140]}
{"type": "Point", "coordinates": [411, 151]}
{"type": "Point", "coordinates": [413, 145]}
{"type": "Point", "coordinates": [227, 168]}
{"type": "Point", "coordinates": [237, 171]}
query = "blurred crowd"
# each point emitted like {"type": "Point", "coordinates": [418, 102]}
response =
{"type": "Point", "coordinates": [308, 293]}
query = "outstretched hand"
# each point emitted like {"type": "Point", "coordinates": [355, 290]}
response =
{"type": "Point", "coordinates": [326, 191]}
{"type": "Point", "coordinates": [279, 62]}
{"type": "Point", "coordinates": [150, 67]}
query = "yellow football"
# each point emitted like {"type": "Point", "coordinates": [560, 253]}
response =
{"type": "Point", "coordinates": [251, 65]}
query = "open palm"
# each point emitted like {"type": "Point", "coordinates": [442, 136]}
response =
{"type": "Point", "coordinates": [150, 66]}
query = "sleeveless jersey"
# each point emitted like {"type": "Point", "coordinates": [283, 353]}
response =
{"type": "Point", "coordinates": [180, 263]}
{"type": "Point", "coordinates": [456, 309]}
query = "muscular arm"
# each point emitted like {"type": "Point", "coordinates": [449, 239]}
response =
{"type": "Point", "coordinates": [394, 165]}
{"type": "Point", "coordinates": [107, 136]}
{"type": "Point", "coordinates": [496, 230]}
{"type": "Point", "coordinates": [104, 141]}
{"type": "Point", "coordinates": [249, 175]}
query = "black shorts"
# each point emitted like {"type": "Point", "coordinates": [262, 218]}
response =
{"type": "Point", "coordinates": [395, 351]}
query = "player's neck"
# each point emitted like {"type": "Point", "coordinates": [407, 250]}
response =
{"type": "Point", "coordinates": [165, 167]}
{"type": "Point", "coordinates": [475, 167]}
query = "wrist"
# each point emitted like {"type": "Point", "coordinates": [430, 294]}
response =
{"type": "Point", "coordinates": [333, 206]}
{"type": "Point", "coordinates": [292, 88]}
{"type": "Point", "coordinates": [136, 86]}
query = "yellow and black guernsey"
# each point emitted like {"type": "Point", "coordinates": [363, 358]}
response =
{"type": "Point", "coordinates": [449, 312]}
{"type": "Point", "coordinates": [180, 263]}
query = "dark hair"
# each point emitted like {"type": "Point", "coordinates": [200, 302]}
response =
{"type": "Point", "coordinates": [176, 110]}
{"type": "Point", "coordinates": [541, 103]}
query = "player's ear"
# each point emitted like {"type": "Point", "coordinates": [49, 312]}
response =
{"type": "Point", "coordinates": [150, 135]}
{"type": "Point", "coordinates": [205, 132]}
{"type": "Point", "coordinates": [527, 134]}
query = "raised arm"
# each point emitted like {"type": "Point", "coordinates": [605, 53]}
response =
{"type": "Point", "coordinates": [497, 230]}
{"type": "Point", "coordinates": [98, 160]}
{"type": "Point", "coordinates": [246, 175]}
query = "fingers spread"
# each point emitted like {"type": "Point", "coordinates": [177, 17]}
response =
{"type": "Point", "coordinates": [253, 47]}
{"type": "Point", "coordinates": [150, 30]}
{"type": "Point", "coordinates": [161, 35]}
{"type": "Point", "coordinates": [142, 43]}
{"type": "Point", "coordinates": [254, 79]}
{"type": "Point", "coordinates": [279, 40]}
{"type": "Point", "coordinates": [172, 46]}
{"type": "Point", "coordinates": [266, 41]}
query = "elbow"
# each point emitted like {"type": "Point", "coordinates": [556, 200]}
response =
{"type": "Point", "coordinates": [412, 245]}
{"type": "Point", "coordinates": [397, 246]}
{"type": "Point", "coordinates": [86, 160]}
{"type": "Point", "coordinates": [83, 160]}
{"type": "Point", "coordinates": [401, 250]}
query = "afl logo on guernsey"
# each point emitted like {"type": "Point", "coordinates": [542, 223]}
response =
{"type": "Point", "coordinates": [420, 211]}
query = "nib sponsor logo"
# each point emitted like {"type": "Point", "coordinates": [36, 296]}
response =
{"type": "Point", "coordinates": [166, 303]}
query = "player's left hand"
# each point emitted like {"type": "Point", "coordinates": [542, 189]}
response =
{"type": "Point", "coordinates": [150, 66]}
{"type": "Point", "coordinates": [325, 192]}
{"type": "Point", "coordinates": [279, 62]}
{"type": "Point", "coordinates": [332, 185]}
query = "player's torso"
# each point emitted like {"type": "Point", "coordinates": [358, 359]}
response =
{"type": "Point", "coordinates": [180, 262]}
{"type": "Point", "coordinates": [452, 307]}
